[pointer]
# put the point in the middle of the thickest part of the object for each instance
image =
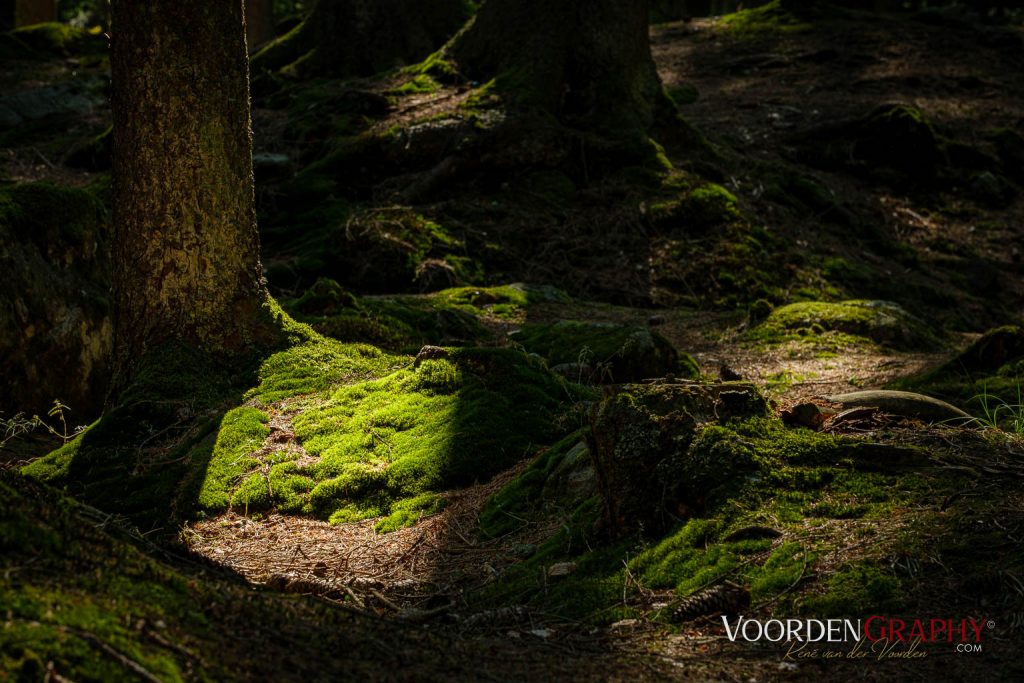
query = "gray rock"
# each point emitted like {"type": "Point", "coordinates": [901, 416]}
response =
{"type": "Point", "coordinates": [40, 103]}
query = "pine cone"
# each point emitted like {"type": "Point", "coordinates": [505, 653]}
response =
{"type": "Point", "coordinates": [725, 598]}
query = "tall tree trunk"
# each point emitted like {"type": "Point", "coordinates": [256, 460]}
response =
{"type": "Point", "coordinates": [586, 60]}
{"type": "Point", "coordinates": [259, 22]}
{"type": "Point", "coordinates": [186, 261]}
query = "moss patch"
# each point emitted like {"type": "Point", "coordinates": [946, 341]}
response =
{"type": "Point", "coordinates": [985, 379]}
{"type": "Point", "coordinates": [754, 532]}
{"type": "Point", "coordinates": [765, 20]}
{"type": "Point", "coordinates": [846, 323]}
{"type": "Point", "coordinates": [448, 422]}
{"type": "Point", "coordinates": [619, 353]}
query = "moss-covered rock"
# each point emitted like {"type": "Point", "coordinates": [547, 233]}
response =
{"type": "Point", "coordinates": [606, 352]}
{"type": "Point", "coordinates": [651, 467]}
{"type": "Point", "coordinates": [697, 210]}
{"type": "Point", "coordinates": [446, 423]}
{"type": "Point", "coordinates": [986, 378]}
{"type": "Point", "coordinates": [55, 328]}
{"type": "Point", "coordinates": [845, 323]}
{"type": "Point", "coordinates": [451, 317]}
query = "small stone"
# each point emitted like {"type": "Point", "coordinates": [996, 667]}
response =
{"type": "Point", "coordinates": [429, 353]}
{"type": "Point", "coordinates": [560, 569]}
{"type": "Point", "coordinates": [656, 320]}
{"type": "Point", "coordinates": [727, 374]}
{"type": "Point", "coordinates": [808, 415]}
{"type": "Point", "coordinates": [625, 624]}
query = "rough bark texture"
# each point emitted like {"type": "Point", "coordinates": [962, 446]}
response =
{"type": "Point", "coordinates": [30, 12]}
{"type": "Point", "coordinates": [186, 261]}
{"type": "Point", "coordinates": [259, 22]}
{"type": "Point", "coordinates": [586, 60]}
{"type": "Point", "coordinates": [344, 38]}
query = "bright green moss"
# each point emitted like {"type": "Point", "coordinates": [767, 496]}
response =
{"type": "Point", "coordinates": [765, 20]}
{"type": "Point", "coordinates": [308, 368]}
{"type": "Point", "coordinates": [845, 323]}
{"type": "Point", "coordinates": [241, 432]}
{"type": "Point", "coordinates": [409, 511]}
{"type": "Point", "coordinates": [421, 84]}
{"type": "Point", "coordinates": [446, 423]}
{"type": "Point", "coordinates": [855, 590]}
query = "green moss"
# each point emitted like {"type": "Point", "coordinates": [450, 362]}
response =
{"type": "Point", "coordinates": [988, 374]}
{"type": "Point", "coordinates": [437, 66]}
{"type": "Point", "coordinates": [308, 368]}
{"type": "Point", "coordinates": [767, 19]}
{"type": "Point", "coordinates": [846, 323]}
{"type": "Point", "coordinates": [518, 502]}
{"type": "Point", "coordinates": [49, 213]}
{"type": "Point", "coordinates": [698, 209]}
{"type": "Point", "coordinates": [623, 353]}
{"type": "Point", "coordinates": [446, 423]}
{"type": "Point", "coordinates": [421, 84]}
{"type": "Point", "coordinates": [783, 479]}
{"type": "Point", "coordinates": [855, 590]}
{"type": "Point", "coordinates": [450, 317]}
{"type": "Point", "coordinates": [241, 432]}
{"type": "Point", "coordinates": [682, 95]}
{"type": "Point", "coordinates": [324, 298]}
{"type": "Point", "coordinates": [407, 512]}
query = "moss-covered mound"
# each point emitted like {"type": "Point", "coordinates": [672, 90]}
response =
{"type": "Point", "coordinates": [55, 329]}
{"type": "Point", "coordinates": [444, 423]}
{"type": "Point", "coordinates": [985, 378]}
{"type": "Point", "coordinates": [605, 352]}
{"type": "Point", "coordinates": [181, 434]}
{"type": "Point", "coordinates": [451, 317]}
{"type": "Point", "coordinates": [805, 523]}
{"type": "Point", "coordinates": [845, 323]}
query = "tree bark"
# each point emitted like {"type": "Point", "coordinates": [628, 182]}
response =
{"type": "Point", "coordinates": [259, 22]}
{"type": "Point", "coordinates": [585, 60]}
{"type": "Point", "coordinates": [29, 12]}
{"type": "Point", "coordinates": [186, 250]}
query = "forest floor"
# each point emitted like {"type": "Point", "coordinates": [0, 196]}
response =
{"type": "Point", "coordinates": [765, 98]}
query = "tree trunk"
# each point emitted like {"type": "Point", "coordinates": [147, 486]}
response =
{"type": "Point", "coordinates": [585, 60]}
{"type": "Point", "coordinates": [259, 22]}
{"type": "Point", "coordinates": [186, 251]}
{"type": "Point", "coordinates": [343, 38]}
{"type": "Point", "coordinates": [30, 12]}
